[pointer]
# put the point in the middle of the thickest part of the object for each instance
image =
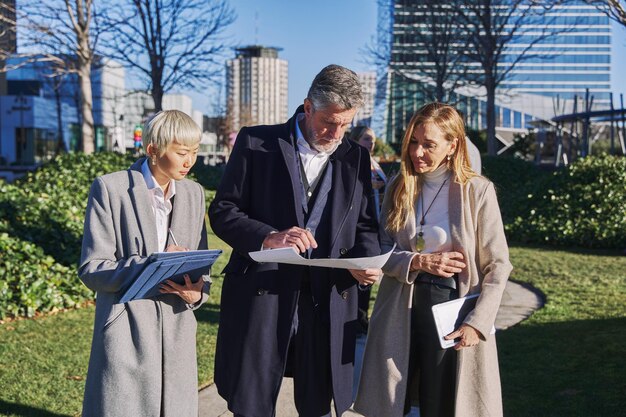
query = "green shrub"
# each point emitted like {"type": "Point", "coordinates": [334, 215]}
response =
{"type": "Point", "coordinates": [33, 282]}
{"type": "Point", "coordinates": [209, 195]}
{"type": "Point", "coordinates": [478, 138]}
{"type": "Point", "coordinates": [208, 176]}
{"type": "Point", "coordinates": [47, 207]}
{"type": "Point", "coordinates": [384, 150]}
{"type": "Point", "coordinates": [515, 180]}
{"type": "Point", "coordinates": [583, 205]}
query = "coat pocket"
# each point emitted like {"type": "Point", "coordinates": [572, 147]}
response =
{"type": "Point", "coordinates": [116, 313]}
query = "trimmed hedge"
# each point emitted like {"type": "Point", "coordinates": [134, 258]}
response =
{"type": "Point", "coordinates": [582, 205]}
{"type": "Point", "coordinates": [33, 282]}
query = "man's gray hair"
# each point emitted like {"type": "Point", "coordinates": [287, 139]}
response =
{"type": "Point", "coordinates": [336, 85]}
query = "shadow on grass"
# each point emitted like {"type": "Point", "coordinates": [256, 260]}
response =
{"type": "Point", "coordinates": [564, 369]}
{"type": "Point", "coordinates": [569, 249]}
{"type": "Point", "coordinates": [7, 408]}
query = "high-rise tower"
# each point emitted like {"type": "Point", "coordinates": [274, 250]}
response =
{"type": "Point", "coordinates": [256, 87]}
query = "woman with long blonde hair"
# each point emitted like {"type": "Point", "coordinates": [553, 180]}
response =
{"type": "Point", "coordinates": [445, 222]}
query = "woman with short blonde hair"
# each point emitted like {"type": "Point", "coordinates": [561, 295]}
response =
{"type": "Point", "coordinates": [143, 353]}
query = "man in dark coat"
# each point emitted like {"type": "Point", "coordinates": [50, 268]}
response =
{"type": "Point", "coordinates": [297, 184]}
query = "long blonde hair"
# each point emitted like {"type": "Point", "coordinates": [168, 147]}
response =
{"type": "Point", "coordinates": [405, 187]}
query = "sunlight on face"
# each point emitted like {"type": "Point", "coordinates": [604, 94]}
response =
{"type": "Point", "coordinates": [325, 127]}
{"type": "Point", "coordinates": [429, 148]}
{"type": "Point", "coordinates": [175, 162]}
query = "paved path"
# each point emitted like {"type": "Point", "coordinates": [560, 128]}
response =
{"type": "Point", "coordinates": [519, 301]}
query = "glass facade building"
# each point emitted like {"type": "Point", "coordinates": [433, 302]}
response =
{"type": "Point", "coordinates": [567, 50]}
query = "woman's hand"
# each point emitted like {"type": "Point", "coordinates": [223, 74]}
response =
{"type": "Point", "coordinates": [174, 248]}
{"type": "Point", "coordinates": [190, 292]}
{"type": "Point", "coordinates": [444, 264]}
{"type": "Point", "coordinates": [469, 337]}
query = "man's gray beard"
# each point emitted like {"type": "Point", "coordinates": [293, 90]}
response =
{"type": "Point", "coordinates": [329, 149]}
{"type": "Point", "coordinates": [313, 143]}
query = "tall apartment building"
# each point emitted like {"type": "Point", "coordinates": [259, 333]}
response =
{"type": "Point", "coordinates": [575, 57]}
{"type": "Point", "coordinates": [256, 87]}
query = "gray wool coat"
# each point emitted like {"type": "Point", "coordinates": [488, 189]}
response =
{"type": "Point", "coordinates": [477, 232]}
{"type": "Point", "coordinates": [143, 353]}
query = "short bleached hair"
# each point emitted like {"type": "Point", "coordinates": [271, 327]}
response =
{"type": "Point", "coordinates": [169, 126]}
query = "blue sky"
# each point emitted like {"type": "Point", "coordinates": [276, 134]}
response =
{"type": "Point", "coordinates": [315, 34]}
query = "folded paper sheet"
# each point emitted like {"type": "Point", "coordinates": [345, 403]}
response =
{"type": "Point", "coordinates": [291, 256]}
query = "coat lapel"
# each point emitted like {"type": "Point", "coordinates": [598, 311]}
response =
{"type": "Point", "coordinates": [343, 186]}
{"type": "Point", "coordinates": [179, 218]}
{"type": "Point", "coordinates": [140, 197]}
{"type": "Point", "coordinates": [455, 210]}
{"type": "Point", "coordinates": [289, 155]}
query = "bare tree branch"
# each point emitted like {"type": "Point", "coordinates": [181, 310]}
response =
{"type": "Point", "coordinates": [171, 43]}
{"type": "Point", "coordinates": [492, 27]}
{"type": "Point", "coordinates": [615, 9]}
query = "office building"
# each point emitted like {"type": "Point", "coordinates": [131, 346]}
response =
{"type": "Point", "coordinates": [40, 112]}
{"type": "Point", "coordinates": [364, 116]}
{"type": "Point", "coordinates": [575, 56]}
{"type": "Point", "coordinates": [256, 87]}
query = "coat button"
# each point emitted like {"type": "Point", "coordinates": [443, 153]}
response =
{"type": "Point", "coordinates": [343, 251]}
{"type": "Point", "coordinates": [344, 295]}
{"type": "Point", "coordinates": [260, 291]}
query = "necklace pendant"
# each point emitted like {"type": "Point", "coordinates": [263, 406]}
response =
{"type": "Point", "coordinates": [420, 244]}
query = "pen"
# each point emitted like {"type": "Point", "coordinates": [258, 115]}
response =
{"type": "Point", "coordinates": [172, 236]}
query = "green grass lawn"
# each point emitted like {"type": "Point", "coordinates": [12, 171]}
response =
{"type": "Point", "coordinates": [567, 360]}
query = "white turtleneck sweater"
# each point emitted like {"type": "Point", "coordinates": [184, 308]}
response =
{"type": "Point", "coordinates": [437, 221]}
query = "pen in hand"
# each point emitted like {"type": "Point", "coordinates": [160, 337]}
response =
{"type": "Point", "coordinates": [172, 236]}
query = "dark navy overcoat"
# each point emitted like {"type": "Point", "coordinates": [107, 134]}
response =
{"type": "Point", "coordinates": [261, 192]}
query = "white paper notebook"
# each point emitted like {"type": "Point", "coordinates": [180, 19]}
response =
{"type": "Point", "coordinates": [450, 315]}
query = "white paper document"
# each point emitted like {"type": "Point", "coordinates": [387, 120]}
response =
{"type": "Point", "coordinates": [450, 315]}
{"type": "Point", "coordinates": [290, 256]}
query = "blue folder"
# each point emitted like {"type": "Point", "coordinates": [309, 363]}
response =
{"type": "Point", "coordinates": [162, 266]}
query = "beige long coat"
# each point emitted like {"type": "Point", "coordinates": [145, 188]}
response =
{"type": "Point", "coordinates": [477, 232]}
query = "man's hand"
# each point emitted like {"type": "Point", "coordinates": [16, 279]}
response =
{"type": "Point", "coordinates": [190, 292]}
{"type": "Point", "coordinates": [295, 237]}
{"type": "Point", "coordinates": [174, 248]}
{"type": "Point", "coordinates": [367, 276]}
{"type": "Point", "coordinates": [444, 264]}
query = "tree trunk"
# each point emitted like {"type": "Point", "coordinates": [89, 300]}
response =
{"type": "Point", "coordinates": [86, 108]}
{"type": "Point", "coordinates": [491, 117]}
{"type": "Point", "coordinates": [157, 96]}
{"type": "Point", "coordinates": [440, 91]}
{"type": "Point", "coordinates": [60, 148]}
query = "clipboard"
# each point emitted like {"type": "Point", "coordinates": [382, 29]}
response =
{"type": "Point", "coordinates": [162, 266]}
{"type": "Point", "coordinates": [450, 315]}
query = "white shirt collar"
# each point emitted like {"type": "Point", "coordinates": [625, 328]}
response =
{"type": "Point", "coordinates": [153, 185]}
